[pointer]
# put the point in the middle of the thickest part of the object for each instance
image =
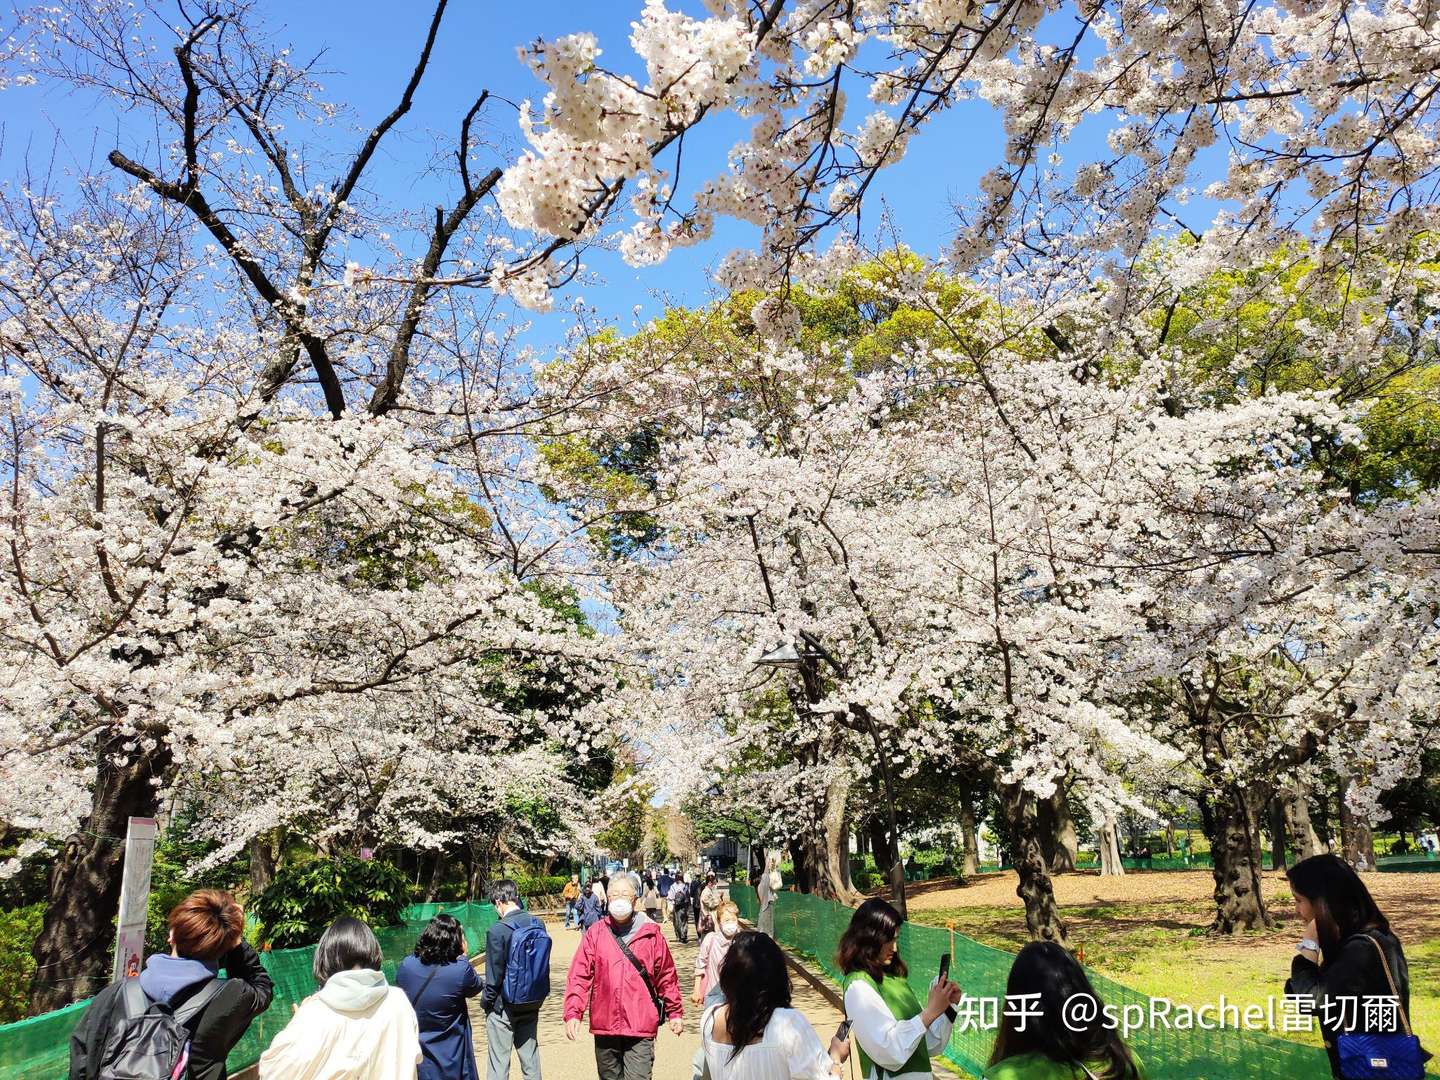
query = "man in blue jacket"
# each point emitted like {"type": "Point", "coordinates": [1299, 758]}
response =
{"type": "Point", "coordinates": [513, 1024]}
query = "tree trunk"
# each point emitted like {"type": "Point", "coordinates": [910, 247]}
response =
{"type": "Point", "coordinates": [1357, 838]}
{"type": "Point", "coordinates": [830, 847]}
{"type": "Point", "coordinates": [1109, 834]}
{"type": "Point", "coordinates": [879, 842]}
{"type": "Point", "coordinates": [1239, 901]}
{"type": "Point", "coordinates": [435, 872]}
{"type": "Point", "coordinates": [1059, 840]}
{"type": "Point", "coordinates": [1300, 830]}
{"type": "Point", "coordinates": [801, 852]}
{"type": "Point", "coordinates": [972, 838]}
{"type": "Point", "coordinates": [1042, 916]}
{"type": "Point", "coordinates": [74, 952]}
{"type": "Point", "coordinates": [262, 862]}
{"type": "Point", "coordinates": [1278, 839]}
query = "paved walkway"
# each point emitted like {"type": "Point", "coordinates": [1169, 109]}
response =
{"type": "Point", "coordinates": [561, 1059]}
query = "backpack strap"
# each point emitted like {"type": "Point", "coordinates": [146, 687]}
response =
{"type": "Point", "coordinates": [195, 1004]}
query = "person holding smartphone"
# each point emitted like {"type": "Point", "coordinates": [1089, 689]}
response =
{"type": "Point", "coordinates": [896, 1035]}
{"type": "Point", "coordinates": [753, 1033]}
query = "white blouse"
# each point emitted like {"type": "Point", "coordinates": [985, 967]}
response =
{"type": "Point", "coordinates": [788, 1050]}
{"type": "Point", "coordinates": [888, 1042]}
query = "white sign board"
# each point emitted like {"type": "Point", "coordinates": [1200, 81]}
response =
{"type": "Point", "coordinates": [135, 897]}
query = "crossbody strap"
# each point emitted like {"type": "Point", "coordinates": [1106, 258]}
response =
{"type": "Point", "coordinates": [644, 975]}
{"type": "Point", "coordinates": [1394, 991]}
{"type": "Point", "coordinates": [426, 984]}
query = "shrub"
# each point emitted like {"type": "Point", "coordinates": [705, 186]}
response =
{"type": "Point", "coordinates": [541, 884]}
{"type": "Point", "coordinates": [304, 900]}
{"type": "Point", "coordinates": [18, 930]}
{"type": "Point", "coordinates": [868, 879]}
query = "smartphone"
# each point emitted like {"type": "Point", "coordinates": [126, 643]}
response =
{"type": "Point", "coordinates": [843, 1031]}
{"type": "Point", "coordinates": [944, 966]}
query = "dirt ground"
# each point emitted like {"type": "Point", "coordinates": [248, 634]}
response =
{"type": "Point", "coordinates": [1410, 901]}
{"type": "Point", "coordinates": [565, 1060]}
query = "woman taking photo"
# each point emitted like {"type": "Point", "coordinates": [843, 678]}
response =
{"type": "Point", "coordinates": [896, 1035]}
{"type": "Point", "coordinates": [1044, 1045]}
{"type": "Point", "coordinates": [440, 981]}
{"type": "Point", "coordinates": [754, 1034]}
{"type": "Point", "coordinates": [355, 1026]}
{"type": "Point", "coordinates": [1346, 951]}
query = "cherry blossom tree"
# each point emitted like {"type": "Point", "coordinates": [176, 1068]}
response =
{"type": "Point", "coordinates": [268, 516]}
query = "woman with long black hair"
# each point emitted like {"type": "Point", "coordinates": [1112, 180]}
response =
{"type": "Point", "coordinates": [1051, 1041]}
{"type": "Point", "coordinates": [897, 1036]}
{"type": "Point", "coordinates": [755, 1034]}
{"type": "Point", "coordinates": [1346, 954]}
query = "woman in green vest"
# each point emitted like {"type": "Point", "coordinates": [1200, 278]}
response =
{"type": "Point", "coordinates": [896, 1036]}
{"type": "Point", "coordinates": [1045, 1035]}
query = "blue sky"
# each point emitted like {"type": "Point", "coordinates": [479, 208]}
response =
{"type": "Point", "coordinates": [369, 49]}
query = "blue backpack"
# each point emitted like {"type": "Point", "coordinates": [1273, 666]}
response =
{"type": "Point", "coordinates": [527, 971]}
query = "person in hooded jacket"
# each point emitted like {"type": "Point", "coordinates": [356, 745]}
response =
{"type": "Point", "coordinates": [355, 1026]}
{"type": "Point", "coordinates": [206, 934]}
{"type": "Point", "coordinates": [628, 1000]}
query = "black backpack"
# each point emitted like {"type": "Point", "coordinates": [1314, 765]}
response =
{"type": "Point", "coordinates": [148, 1040]}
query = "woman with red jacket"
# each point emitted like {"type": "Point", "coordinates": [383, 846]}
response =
{"type": "Point", "coordinates": [625, 976]}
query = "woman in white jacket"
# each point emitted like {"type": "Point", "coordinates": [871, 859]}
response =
{"type": "Point", "coordinates": [896, 1035]}
{"type": "Point", "coordinates": [355, 1026]}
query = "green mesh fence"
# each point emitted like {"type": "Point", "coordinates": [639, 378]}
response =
{"type": "Point", "coordinates": [813, 927]}
{"type": "Point", "coordinates": [38, 1048]}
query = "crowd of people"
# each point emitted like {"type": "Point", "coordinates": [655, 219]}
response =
{"type": "Point", "coordinates": [177, 1018]}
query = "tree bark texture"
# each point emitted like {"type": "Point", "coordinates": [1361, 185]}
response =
{"type": "Point", "coordinates": [1304, 840]}
{"type": "Point", "coordinates": [1235, 849]}
{"type": "Point", "coordinates": [1357, 838]}
{"type": "Point", "coordinates": [1059, 840]}
{"type": "Point", "coordinates": [75, 949]}
{"type": "Point", "coordinates": [1110, 864]}
{"type": "Point", "coordinates": [971, 834]}
{"type": "Point", "coordinates": [1042, 915]}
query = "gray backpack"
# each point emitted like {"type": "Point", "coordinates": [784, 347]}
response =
{"type": "Point", "coordinates": [148, 1040]}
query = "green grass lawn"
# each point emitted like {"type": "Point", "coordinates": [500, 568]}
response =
{"type": "Point", "coordinates": [1161, 949]}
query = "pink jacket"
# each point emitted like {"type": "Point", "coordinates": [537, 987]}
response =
{"type": "Point", "coordinates": [604, 981]}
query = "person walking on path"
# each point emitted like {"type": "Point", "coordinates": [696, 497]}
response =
{"type": "Point", "coordinates": [571, 895]}
{"type": "Point", "coordinates": [897, 1037]}
{"type": "Point", "coordinates": [679, 898]}
{"type": "Point", "coordinates": [517, 982]}
{"type": "Point", "coordinates": [439, 981]}
{"type": "Point", "coordinates": [1347, 951]}
{"type": "Point", "coordinates": [712, 953]}
{"type": "Point", "coordinates": [624, 976]}
{"type": "Point", "coordinates": [695, 888]}
{"type": "Point", "coordinates": [765, 891]}
{"type": "Point", "coordinates": [662, 886]}
{"type": "Point", "coordinates": [1051, 1041]}
{"type": "Point", "coordinates": [356, 1026]}
{"type": "Point", "coordinates": [592, 905]}
{"type": "Point", "coordinates": [710, 897]}
{"type": "Point", "coordinates": [650, 900]}
{"type": "Point", "coordinates": [206, 933]}
{"type": "Point", "coordinates": [753, 1033]}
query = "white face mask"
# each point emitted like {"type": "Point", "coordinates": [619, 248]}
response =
{"type": "Point", "coordinates": [729, 928]}
{"type": "Point", "coordinates": [621, 908]}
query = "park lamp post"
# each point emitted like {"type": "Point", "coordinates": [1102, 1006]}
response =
{"type": "Point", "coordinates": [805, 656]}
